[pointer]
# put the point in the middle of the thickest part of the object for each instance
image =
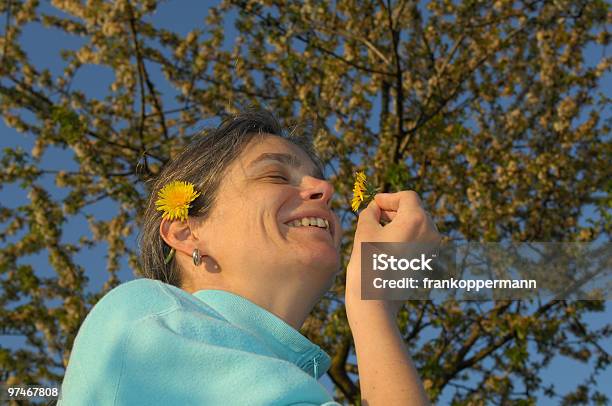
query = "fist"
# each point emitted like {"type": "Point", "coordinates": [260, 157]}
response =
{"type": "Point", "coordinates": [407, 222]}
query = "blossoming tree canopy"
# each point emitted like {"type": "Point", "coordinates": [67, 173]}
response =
{"type": "Point", "coordinates": [493, 111]}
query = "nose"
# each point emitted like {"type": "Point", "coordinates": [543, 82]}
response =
{"type": "Point", "coordinates": [317, 189]}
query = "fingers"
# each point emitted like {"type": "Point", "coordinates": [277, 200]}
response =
{"type": "Point", "coordinates": [405, 208]}
{"type": "Point", "coordinates": [404, 201]}
{"type": "Point", "coordinates": [388, 206]}
{"type": "Point", "coordinates": [370, 216]}
{"type": "Point", "coordinates": [388, 215]}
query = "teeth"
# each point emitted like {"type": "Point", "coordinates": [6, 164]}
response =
{"type": "Point", "coordinates": [310, 221]}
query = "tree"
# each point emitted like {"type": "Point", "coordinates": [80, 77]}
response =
{"type": "Point", "coordinates": [490, 110]}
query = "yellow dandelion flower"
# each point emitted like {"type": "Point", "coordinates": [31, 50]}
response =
{"type": "Point", "coordinates": [361, 191]}
{"type": "Point", "coordinates": [355, 203]}
{"type": "Point", "coordinates": [174, 200]}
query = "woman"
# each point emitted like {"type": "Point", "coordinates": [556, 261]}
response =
{"type": "Point", "coordinates": [229, 281]}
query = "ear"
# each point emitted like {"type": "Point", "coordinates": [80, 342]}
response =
{"type": "Point", "coordinates": [177, 234]}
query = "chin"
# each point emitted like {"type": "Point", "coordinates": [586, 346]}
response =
{"type": "Point", "coordinates": [321, 260]}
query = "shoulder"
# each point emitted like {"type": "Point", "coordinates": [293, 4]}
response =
{"type": "Point", "coordinates": [135, 299]}
{"type": "Point", "coordinates": [135, 303]}
{"type": "Point", "coordinates": [137, 313]}
{"type": "Point", "coordinates": [138, 302]}
{"type": "Point", "coordinates": [144, 297]}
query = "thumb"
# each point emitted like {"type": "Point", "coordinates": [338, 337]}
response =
{"type": "Point", "coordinates": [370, 215]}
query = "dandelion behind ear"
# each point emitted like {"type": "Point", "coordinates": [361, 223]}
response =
{"type": "Point", "coordinates": [174, 200]}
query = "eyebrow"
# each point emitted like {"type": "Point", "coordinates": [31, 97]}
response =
{"type": "Point", "coordinates": [286, 159]}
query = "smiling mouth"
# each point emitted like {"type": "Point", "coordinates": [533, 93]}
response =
{"type": "Point", "coordinates": [312, 223]}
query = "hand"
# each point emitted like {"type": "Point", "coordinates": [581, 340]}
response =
{"type": "Point", "coordinates": [409, 222]}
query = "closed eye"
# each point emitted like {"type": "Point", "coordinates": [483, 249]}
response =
{"type": "Point", "coordinates": [278, 177]}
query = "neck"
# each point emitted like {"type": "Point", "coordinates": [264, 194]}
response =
{"type": "Point", "coordinates": [292, 307]}
{"type": "Point", "coordinates": [291, 303]}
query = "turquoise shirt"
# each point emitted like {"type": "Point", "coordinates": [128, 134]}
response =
{"type": "Point", "coordinates": [150, 343]}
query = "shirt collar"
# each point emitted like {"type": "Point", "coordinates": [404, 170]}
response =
{"type": "Point", "coordinates": [284, 340]}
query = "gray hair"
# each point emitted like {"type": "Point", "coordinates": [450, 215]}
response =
{"type": "Point", "coordinates": [203, 162]}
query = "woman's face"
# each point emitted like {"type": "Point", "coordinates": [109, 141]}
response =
{"type": "Point", "coordinates": [272, 184]}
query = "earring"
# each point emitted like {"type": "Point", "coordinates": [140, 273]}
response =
{"type": "Point", "coordinates": [197, 259]}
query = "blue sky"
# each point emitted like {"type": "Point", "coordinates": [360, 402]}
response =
{"type": "Point", "coordinates": [42, 46]}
